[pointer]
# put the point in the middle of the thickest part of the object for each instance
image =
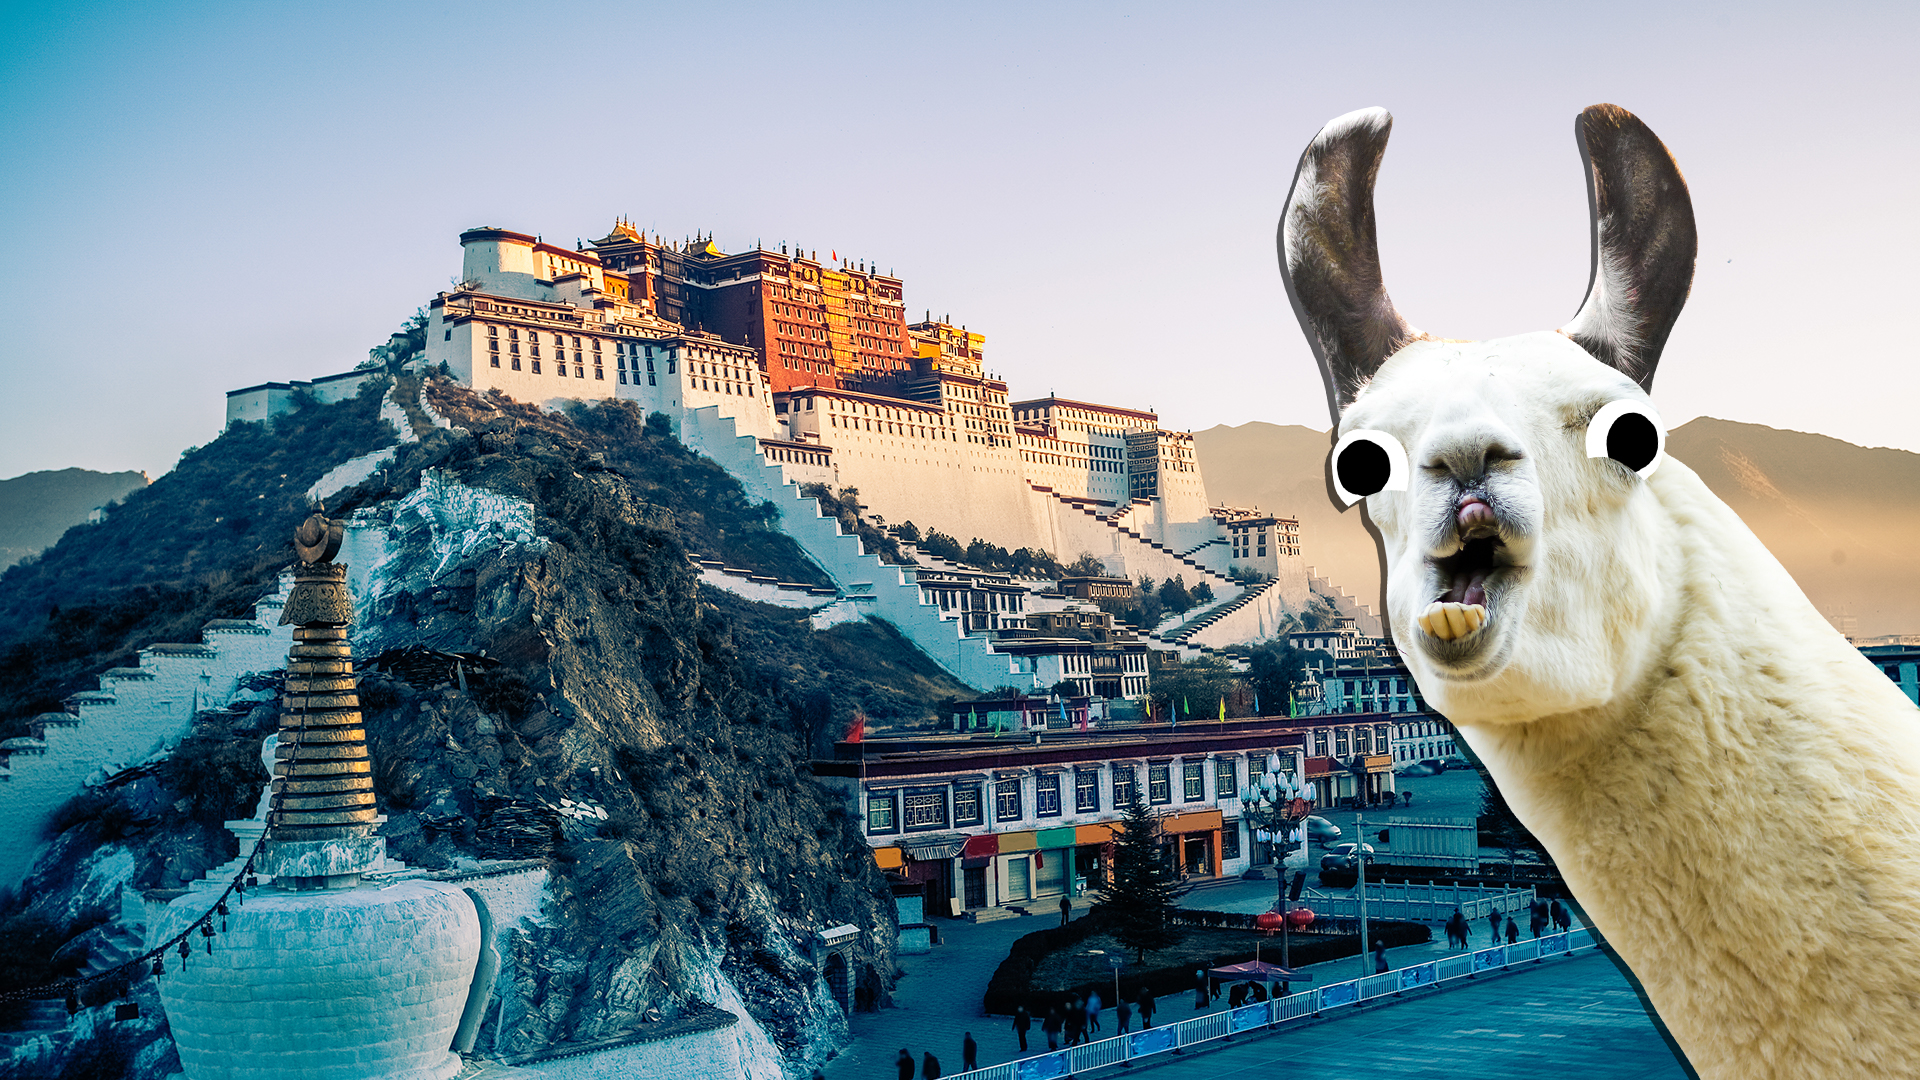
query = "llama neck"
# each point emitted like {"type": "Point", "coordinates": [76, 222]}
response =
{"type": "Point", "coordinates": [1758, 766]}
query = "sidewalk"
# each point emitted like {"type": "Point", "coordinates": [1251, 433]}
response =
{"type": "Point", "coordinates": [939, 998]}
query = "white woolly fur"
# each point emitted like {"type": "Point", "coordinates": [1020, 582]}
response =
{"type": "Point", "coordinates": [1728, 785]}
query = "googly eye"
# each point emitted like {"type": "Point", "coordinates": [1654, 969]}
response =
{"type": "Point", "coordinates": [1629, 432]}
{"type": "Point", "coordinates": [1367, 462]}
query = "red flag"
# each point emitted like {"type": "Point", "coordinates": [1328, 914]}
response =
{"type": "Point", "coordinates": [859, 729]}
{"type": "Point", "coordinates": [835, 254]}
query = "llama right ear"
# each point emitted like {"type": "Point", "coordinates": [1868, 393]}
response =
{"type": "Point", "coordinates": [1332, 261]}
{"type": "Point", "coordinates": [1643, 243]}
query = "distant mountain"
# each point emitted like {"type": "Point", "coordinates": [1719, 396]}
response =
{"type": "Point", "coordinates": [37, 507]}
{"type": "Point", "coordinates": [1843, 519]}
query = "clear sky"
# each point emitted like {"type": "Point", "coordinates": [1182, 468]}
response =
{"type": "Point", "coordinates": [204, 197]}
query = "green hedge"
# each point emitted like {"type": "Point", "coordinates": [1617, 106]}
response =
{"type": "Point", "coordinates": [1012, 983]}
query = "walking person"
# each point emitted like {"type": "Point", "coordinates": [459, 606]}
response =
{"type": "Point", "coordinates": [1201, 997]}
{"type": "Point", "coordinates": [1513, 931]}
{"type": "Point", "coordinates": [1379, 956]}
{"type": "Point", "coordinates": [969, 1053]}
{"type": "Point", "coordinates": [1146, 1009]}
{"type": "Point", "coordinates": [1093, 1011]}
{"type": "Point", "coordinates": [1457, 930]}
{"type": "Point", "coordinates": [1051, 1025]}
{"type": "Point", "coordinates": [930, 1068]}
{"type": "Point", "coordinates": [1075, 1020]}
{"type": "Point", "coordinates": [1122, 1016]}
{"type": "Point", "coordinates": [1022, 1023]}
{"type": "Point", "coordinates": [1493, 928]}
{"type": "Point", "coordinates": [1066, 910]}
{"type": "Point", "coordinates": [1562, 918]}
{"type": "Point", "coordinates": [905, 1062]}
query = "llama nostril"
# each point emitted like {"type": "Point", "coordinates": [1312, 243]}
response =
{"type": "Point", "coordinates": [1476, 519]}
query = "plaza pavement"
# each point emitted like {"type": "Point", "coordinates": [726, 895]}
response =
{"type": "Point", "coordinates": [1578, 1015]}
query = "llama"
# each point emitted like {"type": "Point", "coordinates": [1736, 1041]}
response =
{"type": "Point", "coordinates": [1727, 784]}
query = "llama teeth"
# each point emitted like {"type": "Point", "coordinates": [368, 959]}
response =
{"type": "Point", "coordinates": [1450, 621]}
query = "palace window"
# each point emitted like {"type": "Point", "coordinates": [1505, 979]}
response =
{"type": "Point", "coordinates": [966, 805]}
{"type": "Point", "coordinates": [881, 813]}
{"type": "Point", "coordinates": [1226, 777]}
{"type": "Point", "coordinates": [1006, 799]}
{"type": "Point", "coordinates": [536, 367]}
{"type": "Point", "coordinates": [925, 809]}
{"type": "Point", "coordinates": [1086, 791]}
{"type": "Point", "coordinates": [1046, 795]}
{"type": "Point", "coordinates": [1160, 783]}
{"type": "Point", "coordinates": [1320, 743]}
{"type": "Point", "coordinates": [1340, 743]}
{"type": "Point", "coordinates": [1193, 782]}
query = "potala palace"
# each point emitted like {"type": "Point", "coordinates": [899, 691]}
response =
{"type": "Point", "coordinates": [816, 364]}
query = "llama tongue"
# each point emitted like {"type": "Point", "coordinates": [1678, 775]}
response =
{"type": "Point", "coordinates": [1475, 590]}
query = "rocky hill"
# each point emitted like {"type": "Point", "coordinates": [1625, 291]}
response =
{"type": "Point", "coordinates": [36, 507]}
{"type": "Point", "coordinates": [1839, 517]}
{"type": "Point", "coordinates": [611, 679]}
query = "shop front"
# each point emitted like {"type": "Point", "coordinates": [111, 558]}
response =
{"type": "Point", "coordinates": [1193, 840]}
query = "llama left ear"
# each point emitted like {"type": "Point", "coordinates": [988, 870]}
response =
{"type": "Point", "coordinates": [1643, 243]}
{"type": "Point", "coordinates": [1331, 260]}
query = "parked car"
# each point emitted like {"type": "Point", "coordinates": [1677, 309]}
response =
{"type": "Point", "coordinates": [1340, 856]}
{"type": "Point", "coordinates": [1418, 768]}
{"type": "Point", "coordinates": [1322, 831]}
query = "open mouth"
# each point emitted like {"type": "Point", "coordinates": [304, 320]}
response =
{"type": "Point", "coordinates": [1461, 609]}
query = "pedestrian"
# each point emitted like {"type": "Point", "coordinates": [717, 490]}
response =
{"type": "Point", "coordinates": [1256, 992]}
{"type": "Point", "coordinates": [1066, 910]}
{"type": "Point", "coordinates": [1093, 1011]}
{"type": "Point", "coordinates": [1493, 928]}
{"type": "Point", "coordinates": [930, 1068]}
{"type": "Point", "coordinates": [1201, 997]}
{"type": "Point", "coordinates": [1146, 1009]}
{"type": "Point", "coordinates": [1379, 956]}
{"type": "Point", "coordinates": [905, 1062]}
{"type": "Point", "coordinates": [1237, 995]}
{"type": "Point", "coordinates": [1075, 1020]}
{"type": "Point", "coordinates": [1562, 918]}
{"type": "Point", "coordinates": [1513, 931]}
{"type": "Point", "coordinates": [1022, 1023]}
{"type": "Point", "coordinates": [969, 1053]}
{"type": "Point", "coordinates": [1457, 930]}
{"type": "Point", "coordinates": [1122, 1016]}
{"type": "Point", "coordinates": [1051, 1025]}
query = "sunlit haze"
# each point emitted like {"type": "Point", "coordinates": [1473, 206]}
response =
{"type": "Point", "coordinates": [203, 197]}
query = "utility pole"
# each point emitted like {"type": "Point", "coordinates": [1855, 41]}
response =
{"type": "Point", "coordinates": [1360, 860]}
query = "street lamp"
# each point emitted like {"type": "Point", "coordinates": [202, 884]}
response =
{"type": "Point", "coordinates": [1275, 805]}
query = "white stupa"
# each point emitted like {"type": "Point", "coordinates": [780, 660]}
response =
{"type": "Point", "coordinates": [320, 975]}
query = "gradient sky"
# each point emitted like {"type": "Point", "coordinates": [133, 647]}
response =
{"type": "Point", "coordinates": [204, 197]}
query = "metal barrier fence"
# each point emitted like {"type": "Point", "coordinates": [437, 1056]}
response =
{"type": "Point", "coordinates": [1421, 903]}
{"type": "Point", "coordinates": [1074, 1060]}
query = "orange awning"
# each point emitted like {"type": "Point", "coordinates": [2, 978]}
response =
{"type": "Point", "coordinates": [889, 858]}
{"type": "Point", "coordinates": [1093, 834]}
{"type": "Point", "coordinates": [1197, 821]}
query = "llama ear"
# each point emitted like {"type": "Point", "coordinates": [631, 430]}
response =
{"type": "Point", "coordinates": [1332, 261]}
{"type": "Point", "coordinates": [1643, 243]}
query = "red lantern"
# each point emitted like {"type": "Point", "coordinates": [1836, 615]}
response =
{"type": "Point", "coordinates": [1269, 920]}
{"type": "Point", "coordinates": [1300, 917]}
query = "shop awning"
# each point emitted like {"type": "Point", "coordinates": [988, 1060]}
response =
{"type": "Point", "coordinates": [981, 846]}
{"type": "Point", "coordinates": [1197, 821]}
{"type": "Point", "coordinates": [889, 858]}
{"type": "Point", "coordinates": [1053, 838]}
{"type": "Point", "coordinates": [925, 848]}
{"type": "Point", "coordinates": [1017, 841]}
{"type": "Point", "coordinates": [1093, 834]}
{"type": "Point", "coordinates": [1320, 766]}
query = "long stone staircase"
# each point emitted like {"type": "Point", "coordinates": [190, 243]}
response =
{"type": "Point", "coordinates": [1147, 554]}
{"type": "Point", "coordinates": [135, 712]}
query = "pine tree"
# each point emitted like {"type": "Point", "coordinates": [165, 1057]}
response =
{"type": "Point", "coordinates": [1140, 894]}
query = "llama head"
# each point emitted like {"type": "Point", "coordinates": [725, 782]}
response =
{"type": "Point", "coordinates": [1513, 482]}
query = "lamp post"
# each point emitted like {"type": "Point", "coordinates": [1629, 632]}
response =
{"type": "Point", "coordinates": [1275, 804]}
